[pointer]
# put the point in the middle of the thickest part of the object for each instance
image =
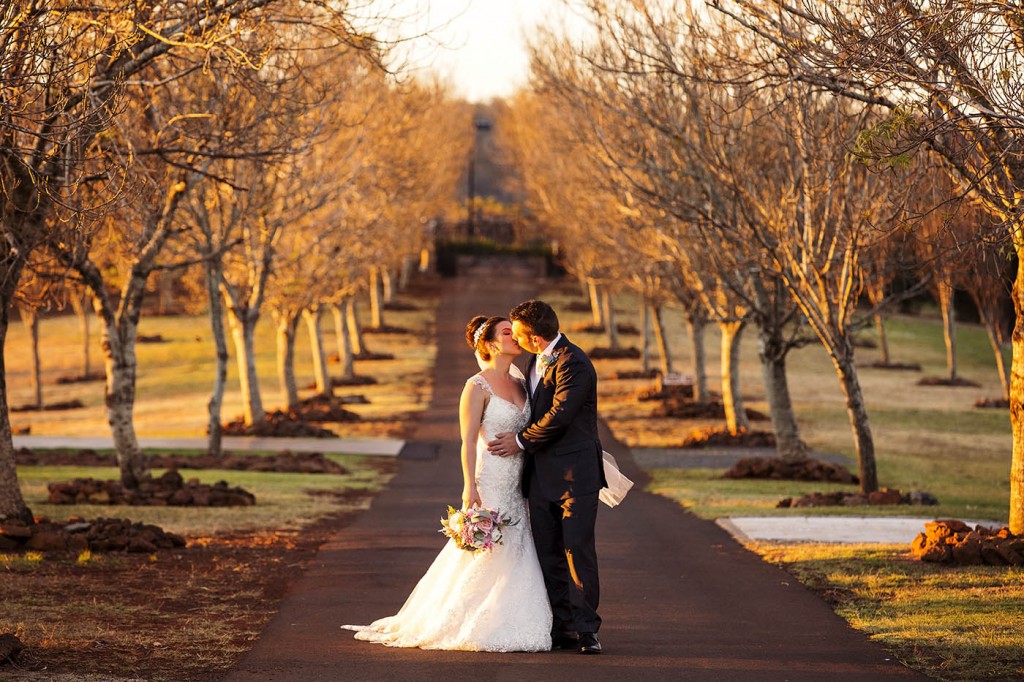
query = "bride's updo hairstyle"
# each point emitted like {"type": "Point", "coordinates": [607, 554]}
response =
{"type": "Point", "coordinates": [479, 331]}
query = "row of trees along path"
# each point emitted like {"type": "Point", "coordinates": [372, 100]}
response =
{"type": "Point", "coordinates": [680, 598]}
{"type": "Point", "coordinates": [261, 145]}
{"type": "Point", "coordinates": [768, 165]}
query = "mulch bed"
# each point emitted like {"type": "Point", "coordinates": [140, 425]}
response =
{"type": "Point", "coordinates": [601, 353]}
{"type": "Point", "coordinates": [900, 366]}
{"type": "Point", "coordinates": [386, 329]}
{"type": "Point", "coordinates": [80, 378]}
{"type": "Point", "coordinates": [280, 424]}
{"type": "Point", "coordinates": [993, 403]}
{"type": "Point", "coordinates": [802, 470]}
{"type": "Point", "coordinates": [281, 462]}
{"type": "Point", "coordinates": [948, 541]}
{"type": "Point", "coordinates": [626, 328]}
{"type": "Point", "coordinates": [78, 535]}
{"type": "Point", "coordinates": [638, 374]}
{"type": "Point", "coordinates": [885, 496]}
{"type": "Point", "coordinates": [684, 408]}
{"type": "Point", "coordinates": [370, 356]}
{"type": "Point", "coordinates": [353, 381]}
{"type": "Point", "coordinates": [244, 574]}
{"type": "Point", "coordinates": [719, 436]}
{"type": "Point", "coordinates": [958, 382]}
{"type": "Point", "coordinates": [168, 490]}
{"type": "Point", "coordinates": [64, 405]}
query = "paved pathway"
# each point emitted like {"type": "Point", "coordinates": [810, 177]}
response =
{"type": "Point", "coordinates": [680, 598]}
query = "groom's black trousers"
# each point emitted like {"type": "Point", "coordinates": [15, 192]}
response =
{"type": "Point", "coordinates": [564, 535]}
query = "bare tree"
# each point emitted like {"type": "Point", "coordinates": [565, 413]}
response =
{"type": "Point", "coordinates": [950, 76]}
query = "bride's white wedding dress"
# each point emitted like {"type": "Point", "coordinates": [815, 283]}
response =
{"type": "Point", "coordinates": [487, 601]}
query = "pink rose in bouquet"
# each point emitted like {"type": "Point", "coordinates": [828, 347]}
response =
{"type": "Point", "coordinates": [475, 529]}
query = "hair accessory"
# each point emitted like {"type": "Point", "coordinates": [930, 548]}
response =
{"type": "Point", "coordinates": [478, 333]}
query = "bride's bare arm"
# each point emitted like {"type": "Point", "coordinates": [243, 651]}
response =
{"type": "Point", "coordinates": [471, 410]}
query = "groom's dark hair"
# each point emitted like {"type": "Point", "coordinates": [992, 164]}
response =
{"type": "Point", "coordinates": [538, 317]}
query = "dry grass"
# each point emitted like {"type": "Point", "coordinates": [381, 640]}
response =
{"type": "Point", "coordinates": [178, 614]}
{"type": "Point", "coordinates": [962, 624]}
{"type": "Point", "coordinates": [926, 438]}
{"type": "Point", "coordinates": [175, 377]}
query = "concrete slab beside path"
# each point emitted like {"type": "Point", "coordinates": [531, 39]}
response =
{"type": "Point", "coordinates": [387, 447]}
{"type": "Point", "coordinates": [841, 529]}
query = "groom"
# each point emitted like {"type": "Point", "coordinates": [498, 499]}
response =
{"type": "Point", "coordinates": [563, 472]}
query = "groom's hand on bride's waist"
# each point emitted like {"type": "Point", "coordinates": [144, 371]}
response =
{"type": "Point", "coordinates": [503, 445]}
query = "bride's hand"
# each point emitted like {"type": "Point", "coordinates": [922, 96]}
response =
{"type": "Point", "coordinates": [471, 497]}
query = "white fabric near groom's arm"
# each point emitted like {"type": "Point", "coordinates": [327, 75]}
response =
{"type": "Point", "coordinates": [618, 484]}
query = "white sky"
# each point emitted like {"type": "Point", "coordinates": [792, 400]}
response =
{"type": "Point", "coordinates": [478, 45]}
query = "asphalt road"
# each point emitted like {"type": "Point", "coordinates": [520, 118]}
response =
{"type": "Point", "coordinates": [681, 599]}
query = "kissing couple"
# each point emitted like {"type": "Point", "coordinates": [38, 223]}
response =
{"type": "Point", "coordinates": [531, 450]}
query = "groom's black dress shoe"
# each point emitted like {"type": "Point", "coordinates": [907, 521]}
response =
{"type": "Point", "coordinates": [589, 643]}
{"type": "Point", "coordinates": [564, 640]}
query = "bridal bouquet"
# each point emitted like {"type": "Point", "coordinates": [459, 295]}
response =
{"type": "Point", "coordinates": [475, 529]}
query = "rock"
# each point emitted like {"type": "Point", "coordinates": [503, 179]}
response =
{"type": "Point", "coordinates": [10, 647]}
{"type": "Point", "coordinates": [885, 496]}
{"type": "Point", "coordinates": [15, 529]}
{"type": "Point", "coordinates": [920, 497]}
{"type": "Point", "coordinates": [47, 540]}
{"type": "Point", "coordinates": [77, 544]}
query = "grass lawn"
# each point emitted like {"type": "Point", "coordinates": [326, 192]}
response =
{"type": "Point", "coordinates": [951, 623]}
{"type": "Point", "coordinates": [175, 375]}
{"type": "Point", "coordinates": [192, 613]}
{"type": "Point", "coordinates": [184, 614]}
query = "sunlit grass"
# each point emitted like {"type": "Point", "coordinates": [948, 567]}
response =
{"type": "Point", "coordinates": [175, 377]}
{"type": "Point", "coordinates": [961, 623]}
{"type": "Point", "coordinates": [285, 501]}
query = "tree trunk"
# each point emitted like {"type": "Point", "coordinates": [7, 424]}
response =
{"type": "Point", "coordinates": [79, 303]}
{"type": "Point", "coordinates": [316, 346]}
{"type": "Point", "coordinates": [287, 323]}
{"type": "Point", "coordinates": [645, 331]}
{"type": "Point", "coordinates": [864, 443]}
{"type": "Point", "coordinates": [948, 327]}
{"type": "Point", "coordinates": [1016, 397]}
{"type": "Point", "coordinates": [990, 319]}
{"type": "Point", "coordinates": [387, 286]}
{"type": "Point", "coordinates": [12, 504]}
{"type": "Point", "coordinates": [876, 294]}
{"type": "Point", "coordinates": [771, 350]}
{"type": "Point", "coordinates": [609, 318]}
{"type": "Point", "coordinates": [735, 413]}
{"type": "Point", "coordinates": [118, 343]}
{"type": "Point", "coordinates": [30, 318]}
{"type": "Point", "coordinates": [355, 329]}
{"type": "Point", "coordinates": [883, 339]}
{"type": "Point", "coordinates": [405, 274]}
{"type": "Point", "coordinates": [344, 341]}
{"type": "Point", "coordinates": [661, 339]}
{"type": "Point", "coordinates": [376, 304]}
{"type": "Point", "coordinates": [243, 333]}
{"type": "Point", "coordinates": [697, 322]}
{"type": "Point", "coordinates": [595, 303]}
{"type": "Point", "coordinates": [215, 406]}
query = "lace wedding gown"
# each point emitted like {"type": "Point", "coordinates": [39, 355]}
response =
{"type": "Point", "coordinates": [487, 601]}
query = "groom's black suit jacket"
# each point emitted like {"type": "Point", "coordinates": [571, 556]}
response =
{"type": "Point", "coordinates": [563, 449]}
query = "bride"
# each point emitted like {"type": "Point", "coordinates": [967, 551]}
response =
{"type": "Point", "coordinates": [493, 600]}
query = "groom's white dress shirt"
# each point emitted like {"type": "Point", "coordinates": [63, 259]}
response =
{"type": "Point", "coordinates": [538, 373]}
{"type": "Point", "coordinates": [538, 370]}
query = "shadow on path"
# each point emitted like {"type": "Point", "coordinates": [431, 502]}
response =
{"type": "Point", "coordinates": [681, 599]}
